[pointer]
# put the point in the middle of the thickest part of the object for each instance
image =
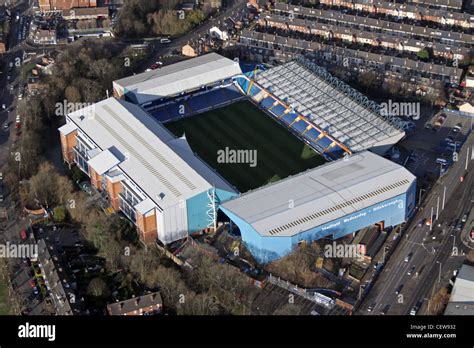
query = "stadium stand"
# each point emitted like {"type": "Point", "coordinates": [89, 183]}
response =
{"type": "Point", "coordinates": [321, 109]}
{"type": "Point", "coordinates": [195, 103]}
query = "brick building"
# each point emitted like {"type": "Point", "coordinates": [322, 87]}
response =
{"type": "Point", "coordinates": [49, 5]}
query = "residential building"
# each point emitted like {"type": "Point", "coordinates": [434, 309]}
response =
{"type": "Point", "coordinates": [147, 174]}
{"type": "Point", "coordinates": [51, 5]}
{"type": "Point", "coordinates": [149, 304]}
{"type": "Point", "coordinates": [45, 37]}
{"type": "Point", "coordinates": [282, 48]}
{"type": "Point", "coordinates": [86, 13]}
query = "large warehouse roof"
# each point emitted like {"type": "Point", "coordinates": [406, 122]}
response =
{"type": "Point", "coordinates": [321, 195]}
{"type": "Point", "coordinates": [331, 105]}
{"type": "Point", "coordinates": [164, 167]}
{"type": "Point", "coordinates": [180, 77]}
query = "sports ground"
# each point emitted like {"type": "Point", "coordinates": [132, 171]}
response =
{"type": "Point", "coordinates": [243, 126]}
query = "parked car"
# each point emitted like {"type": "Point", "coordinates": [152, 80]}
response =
{"type": "Point", "coordinates": [399, 289]}
{"type": "Point", "coordinates": [411, 270]}
{"type": "Point", "coordinates": [385, 309]}
{"type": "Point", "coordinates": [464, 218]}
{"type": "Point", "coordinates": [371, 307]}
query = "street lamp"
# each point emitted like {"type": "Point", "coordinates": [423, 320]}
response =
{"type": "Point", "coordinates": [419, 196]}
{"type": "Point", "coordinates": [439, 277]}
{"type": "Point", "coordinates": [454, 241]}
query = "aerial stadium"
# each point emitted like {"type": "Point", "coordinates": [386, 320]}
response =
{"type": "Point", "coordinates": [152, 149]}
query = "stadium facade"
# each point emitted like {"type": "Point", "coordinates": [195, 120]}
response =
{"type": "Point", "coordinates": [333, 200]}
{"type": "Point", "coordinates": [167, 191]}
{"type": "Point", "coordinates": [154, 178]}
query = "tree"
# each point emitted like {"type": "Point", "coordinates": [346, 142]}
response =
{"type": "Point", "coordinates": [439, 301]}
{"type": "Point", "coordinates": [47, 187]}
{"type": "Point", "coordinates": [470, 256]}
{"type": "Point", "coordinates": [72, 94]}
{"type": "Point", "coordinates": [423, 54]}
{"type": "Point", "coordinates": [98, 288]}
{"type": "Point", "coordinates": [59, 214]}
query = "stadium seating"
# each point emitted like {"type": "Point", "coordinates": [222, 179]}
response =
{"type": "Point", "coordinates": [196, 103]}
{"type": "Point", "coordinates": [267, 102]}
{"type": "Point", "coordinates": [279, 111]}
{"type": "Point", "coordinates": [312, 134]}
{"type": "Point", "coordinates": [289, 118]}
{"type": "Point", "coordinates": [299, 126]}
{"type": "Point", "coordinates": [324, 142]}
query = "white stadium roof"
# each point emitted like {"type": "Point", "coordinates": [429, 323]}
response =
{"type": "Point", "coordinates": [321, 195]}
{"type": "Point", "coordinates": [331, 105]}
{"type": "Point", "coordinates": [177, 78]}
{"type": "Point", "coordinates": [164, 167]}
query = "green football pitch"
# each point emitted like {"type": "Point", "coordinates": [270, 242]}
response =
{"type": "Point", "coordinates": [243, 126]}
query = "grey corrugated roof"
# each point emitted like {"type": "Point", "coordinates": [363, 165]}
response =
{"type": "Point", "coordinates": [332, 191]}
{"type": "Point", "coordinates": [182, 76]}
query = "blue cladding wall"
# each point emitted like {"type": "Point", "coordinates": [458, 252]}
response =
{"type": "Point", "coordinates": [196, 208]}
{"type": "Point", "coordinates": [266, 249]}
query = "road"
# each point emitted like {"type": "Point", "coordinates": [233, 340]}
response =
{"type": "Point", "coordinates": [235, 11]}
{"type": "Point", "coordinates": [427, 255]}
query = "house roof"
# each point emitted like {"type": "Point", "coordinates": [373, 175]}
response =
{"type": "Point", "coordinates": [133, 304]}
